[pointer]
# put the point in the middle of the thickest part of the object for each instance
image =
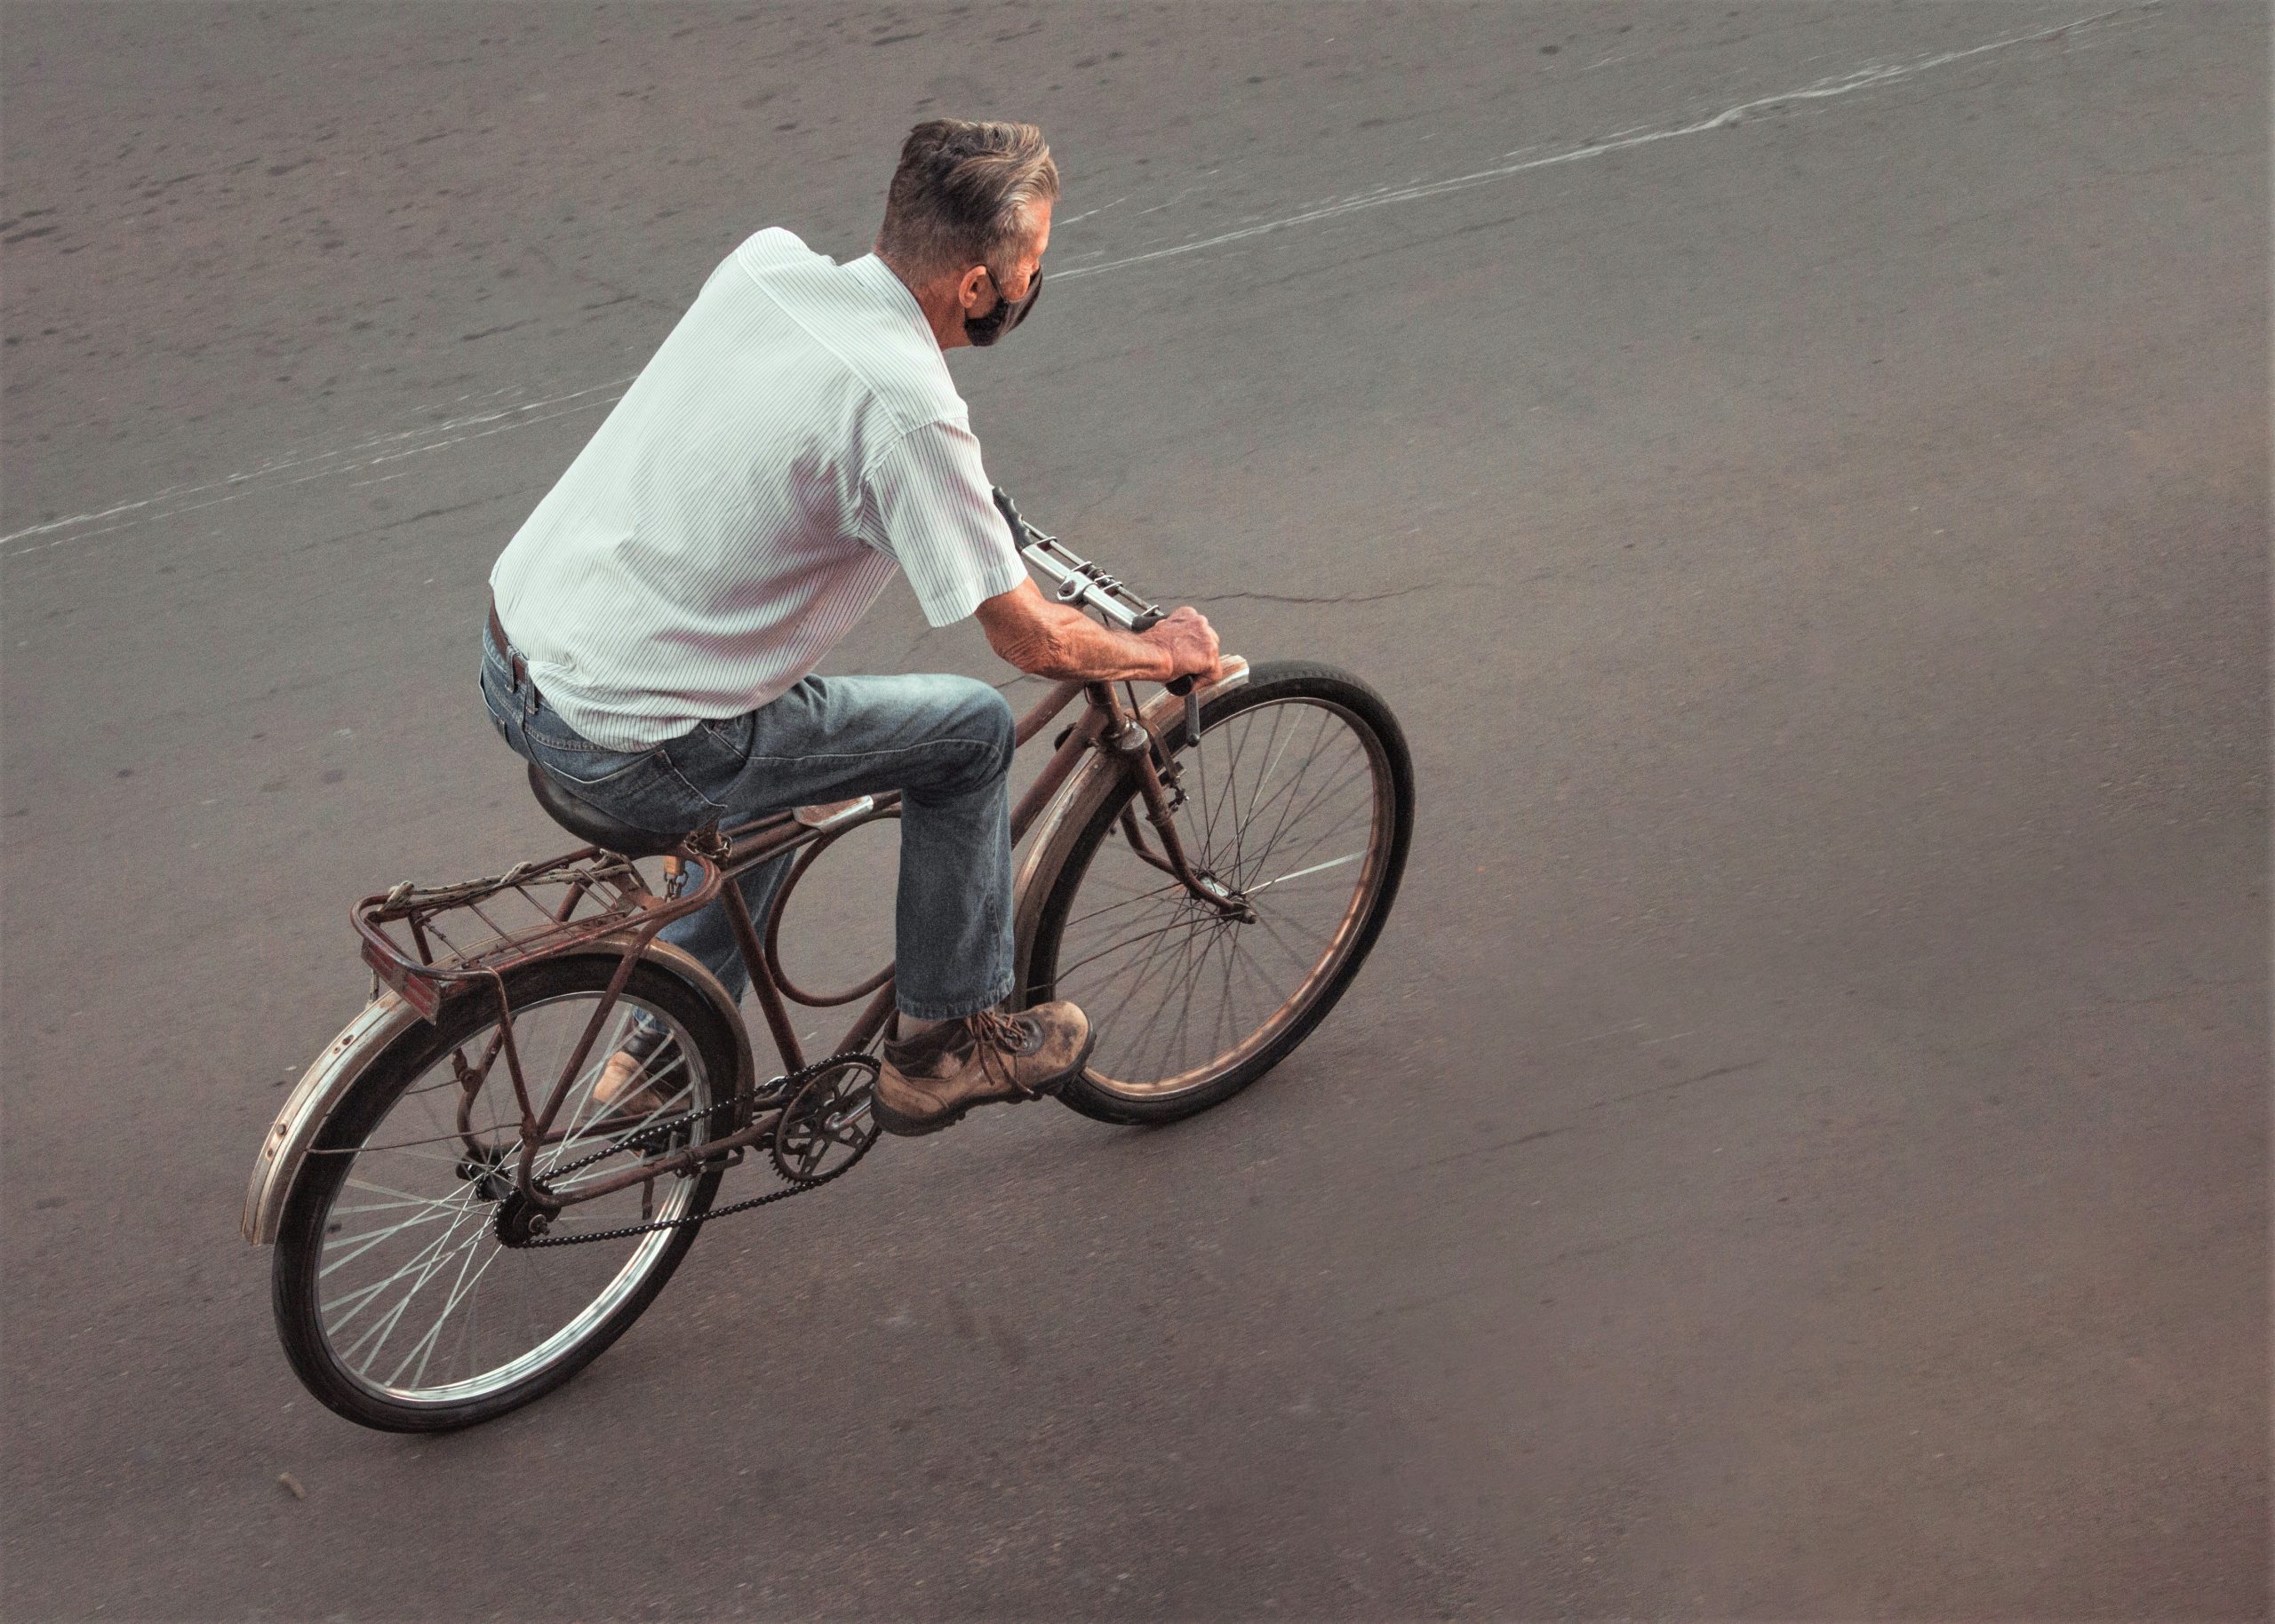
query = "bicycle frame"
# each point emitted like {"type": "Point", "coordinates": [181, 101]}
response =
{"type": "Point", "coordinates": [624, 916]}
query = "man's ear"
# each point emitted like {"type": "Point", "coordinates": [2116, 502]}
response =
{"type": "Point", "coordinates": [972, 289]}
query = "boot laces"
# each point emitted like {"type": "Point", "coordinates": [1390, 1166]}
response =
{"type": "Point", "coordinates": [997, 1036]}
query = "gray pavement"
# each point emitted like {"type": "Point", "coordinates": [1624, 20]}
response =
{"type": "Point", "coordinates": [1800, 1148]}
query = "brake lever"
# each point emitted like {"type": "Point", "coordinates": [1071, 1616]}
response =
{"type": "Point", "coordinates": [1189, 688]}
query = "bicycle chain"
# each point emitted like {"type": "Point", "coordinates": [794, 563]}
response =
{"type": "Point", "coordinates": [787, 1091]}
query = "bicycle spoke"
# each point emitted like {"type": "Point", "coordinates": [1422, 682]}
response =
{"type": "Point", "coordinates": [1258, 802]}
{"type": "Point", "coordinates": [1117, 947]}
{"type": "Point", "coordinates": [1292, 818]}
{"type": "Point", "coordinates": [423, 1350]}
{"type": "Point", "coordinates": [1303, 873]}
{"type": "Point", "coordinates": [411, 1153]}
{"type": "Point", "coordinates": [360, 1296]}
{"type": "Point", "coordinates": [1175, 885]}
{"type": "Point", "coordinates": [353, 1182]}
{"type": "Point", "coordinates": [1233, 783]}
{"type": "Point", "coordinates": [1342, 779]}
{"type": "Point", "coordinates": [386, 1327]}
{"type": "Point", "coordinates": [1339, 777]}
{"type": "Point", "coordinates": [376, 1238]}
{"type": "Point", "coordinates": [1272, 927]}
{"type": "Point", "coordinates": [1200, 757]}
{"type": "Point", "coordinates": [1340, 831]}
{"type": "Point", "coordinates": [383, 1207]}
{"type": "Point", "coordinates": [1226, 1010]}
{"type": "Point", "coordinates": [429, 1258]}
{"type": "Point", "coordinates": [373, 1238]}
{"type": "Point", "coordinates": [1136, 983]}
{"type": "Point", "coordinates": [1173, 1041]}
{"type": "Point", "coordinates": [1138, 1045]}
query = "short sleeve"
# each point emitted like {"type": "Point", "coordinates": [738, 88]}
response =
{"type": "Point", "coordinates": [935, 516]}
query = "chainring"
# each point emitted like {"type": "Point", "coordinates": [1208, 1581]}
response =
{"type": "Point", "coordinates": [828, 1124]}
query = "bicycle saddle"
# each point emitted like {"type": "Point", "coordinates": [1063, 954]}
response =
{"type": "Point", "coordinates": [593, 826]}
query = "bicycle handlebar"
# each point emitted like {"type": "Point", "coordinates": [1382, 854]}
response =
{"type": "Point", "coordinates": [1076, 578]}
{"type": "Point", "coordinates": [1080, 581]}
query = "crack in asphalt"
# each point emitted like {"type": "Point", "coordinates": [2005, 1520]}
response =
{"type": "Point", "coordinates": [1348, 597]}
{"type": "Point", "coordinates": [1539, 1134]}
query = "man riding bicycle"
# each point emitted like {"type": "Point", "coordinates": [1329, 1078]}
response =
{"type": "Point", "coordinates": [655, 624]}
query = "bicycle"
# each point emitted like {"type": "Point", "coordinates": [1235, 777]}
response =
{"type": "Point", "coordinates": [461, 1223]}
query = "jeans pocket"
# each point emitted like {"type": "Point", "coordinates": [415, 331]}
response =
{"type": "Point", "coordinates": [711, 754]}
{"type": "Point", "coordinates": [499, 699]}
{"type": "Point", "coordinates": [713, 749]}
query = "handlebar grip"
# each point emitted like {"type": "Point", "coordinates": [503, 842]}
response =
{"type": "Point", "coordinates": [1183, 685]}
{"type": "Point", "coordinates": [1011, 512]}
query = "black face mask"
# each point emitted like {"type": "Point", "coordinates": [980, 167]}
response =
{"type": "Point", "coordinates": [985, 329]}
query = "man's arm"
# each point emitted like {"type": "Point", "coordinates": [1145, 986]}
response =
{"type": "Point", "coordinates": [1048, 639]}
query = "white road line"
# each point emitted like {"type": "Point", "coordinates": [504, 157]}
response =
{"type": "Point", "coordinates": [325, 462]}
{"type": "Point", "coordinates": [1871, 77]}
{"type": "Point", "coordinates": [1868, 77]}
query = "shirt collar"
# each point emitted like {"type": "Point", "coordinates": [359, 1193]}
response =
{"type": "Point", "coordinates": [885, 282]}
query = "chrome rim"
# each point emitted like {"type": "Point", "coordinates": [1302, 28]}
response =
{"type": "Point", "coordinates": [418, 1300]}
{"type": "Point", "coordinates": [1289, 804]}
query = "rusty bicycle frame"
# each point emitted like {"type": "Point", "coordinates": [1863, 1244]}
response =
{"type": "Point", "coordinates": [403, 930]}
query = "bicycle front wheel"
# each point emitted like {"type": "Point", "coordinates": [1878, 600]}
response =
{"type": "Point", "coordinates": [1299, 799]}
{"type": "Point", "coordinates": [399, 1304]}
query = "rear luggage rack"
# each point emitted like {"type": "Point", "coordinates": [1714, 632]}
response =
{"type": "Point", "coordinates": [430, 941]}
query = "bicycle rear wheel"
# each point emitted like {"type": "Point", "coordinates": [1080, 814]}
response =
{"type": "Point", "coordinates": [1299, 799]}
{"type": "Point", "coordinates": [399, 1305]}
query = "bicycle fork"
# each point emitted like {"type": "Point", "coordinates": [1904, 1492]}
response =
{"type": "Point", "coordinates": [1127, 736]}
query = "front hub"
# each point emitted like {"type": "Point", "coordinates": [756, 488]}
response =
{"type": "Point", "coordinates": [1229, 902]}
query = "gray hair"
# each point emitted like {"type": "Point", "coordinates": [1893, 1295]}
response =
{"type": "Point", "coordinates": [962, 194]}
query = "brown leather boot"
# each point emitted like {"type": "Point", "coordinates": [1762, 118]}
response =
{"type": "Point", "coordinates": [929, 1081]}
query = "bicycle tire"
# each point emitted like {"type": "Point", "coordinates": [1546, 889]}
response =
{"type": "Point", "coordinates": [299, 1252]}
{"type": "Point", "coordinates": [1096, 1095]}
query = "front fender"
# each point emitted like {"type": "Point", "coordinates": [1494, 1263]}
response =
{"type": "Point", "coordinates": [385, 1018]}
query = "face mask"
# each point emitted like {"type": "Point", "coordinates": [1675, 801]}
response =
{"type": "Point", "coordinates": [985, 329]}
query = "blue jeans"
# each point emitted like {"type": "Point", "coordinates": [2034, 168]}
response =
{"type": "Point", "coordinates": [945, 743]}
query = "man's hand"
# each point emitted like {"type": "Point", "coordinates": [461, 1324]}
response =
{"type": "Point", "coordinates": [1048, 639]}
{"type": "Point", "coordinates": [1191, 641]}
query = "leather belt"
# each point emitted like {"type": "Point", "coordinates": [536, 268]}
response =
{"type": "Point", "coordinates": [521, 667]}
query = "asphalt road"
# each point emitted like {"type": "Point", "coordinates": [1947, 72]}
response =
{"type": "Point", "coordinates": [1800, 1148]}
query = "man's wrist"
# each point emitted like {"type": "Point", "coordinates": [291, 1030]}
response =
{"type": "Point", "coordinates": [1165, 657]}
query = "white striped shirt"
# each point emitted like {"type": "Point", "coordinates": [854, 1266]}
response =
{"type": "Point", "coordinates": [797, 438]}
